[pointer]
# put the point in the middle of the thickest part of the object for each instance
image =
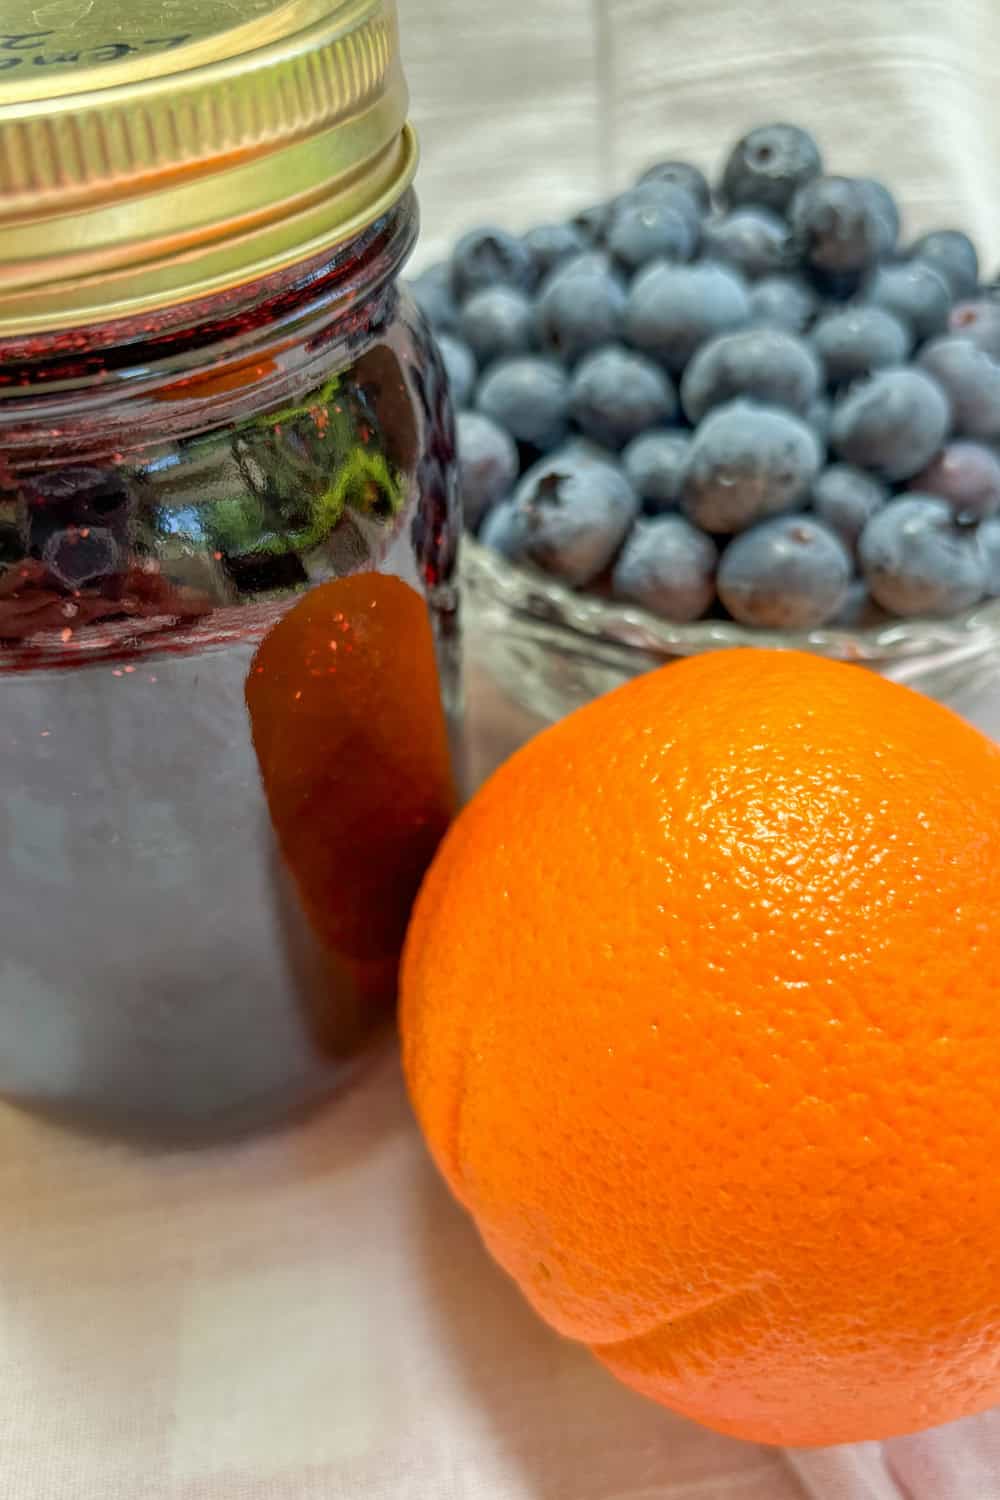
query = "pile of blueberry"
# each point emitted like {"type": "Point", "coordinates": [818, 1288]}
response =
{"type": "Point", "coordinates": [753, 404]}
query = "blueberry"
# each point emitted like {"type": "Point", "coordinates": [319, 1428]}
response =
{"type": "Point", "coordinates": [584, 450]}
{"type": "Point", "coordinates": [988, 537]}
{"type": "Point", "coordinates": [972, 382]}
{"type": "Point", "coordinates": [551, 244]}
{"type": "Point", "coordinates": [746, 462]}
{"type": "Point", "coordinates": [979, 322]}
{"type": "Point", "coordinates": [953, 255]}
{"type": "Point", "coordinates": [791, 573]}
{"type": "Point", "coordinates": [667, 566]}
{"type": "Point", "coordinates": [594, 222]}
{"type": "Point", "coordinates": [917, 560]}
{"type": "Point", "coordinates": [655, 464]}
{"type": "Point", "coordinates": [754, 240]}
{"type": "Point", "coordinates": [487, 464]}
{"type": "Point", "coordinates": [967, 475]}
{"type": "Point", "coordinates": [763, 364]}
{"type": "Point", "coordinates": [78, 556]}
{"type": "Point", "coordinates": [504, 530]}
{"type": "Point", "coordinates": [673, 309]}
{"type": "Point", "coordinates": [431, 291]}
{"type": "Point", "coordinates": [497, 321]}
{"type": "Point", "coordinates": [835, 226]}
{"type": "Point", "coordinates": [893, 423]}
{"type": "Point", "coordinates": [785, 302]}
{"type": "Point", "coordinates": [665, 194]}
{"type": "Point", "coordinates": [858, 608]}
{"type": "Point", "coordinates": [652, 223]}
{"type": "Point", "coordinates": [883, 206]}
{"type": "Point", "coordinates": [768, 166]}
{"type": "Point", "coordinates": [845, 499]}
{"type": "Point", "coordinates": [916, 293]}
{"type": "Point", "coordinates": [856, 341]}
{"type": "Point", "coordinates": [819, 416]}
{"type": "Point", "coordinates": [490, 257]}
{"type": "Point", "coordinates": [576, 513]}
{"type": "Point", "coordinates": [460, 368]}
{"type": "Point", "coordinates": [580, 307]}
{"type": "Point", "coordinates": [588, 263]}
{"type": "Point", "coordinates": [616, 394]}
{"type": "Point", "coordinates": [683, 175]}
{"type": "Point", "coordinates": [529, 397]}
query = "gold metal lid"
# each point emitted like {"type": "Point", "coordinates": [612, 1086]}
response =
{"type": "Point", "coordinates": [155, 151]}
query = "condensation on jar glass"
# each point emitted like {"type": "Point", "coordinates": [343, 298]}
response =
{"type": "Point", "coordinates": [229, 673]}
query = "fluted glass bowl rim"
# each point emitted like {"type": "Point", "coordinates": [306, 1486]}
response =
{"type": "Point", "coordinates": [563, 616]}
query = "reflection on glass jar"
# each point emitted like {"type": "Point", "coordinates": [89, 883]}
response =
{"type": "Point", "coordinates": [348, 728]}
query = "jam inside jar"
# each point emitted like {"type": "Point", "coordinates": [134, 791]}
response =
{"type": "Point", "coordinates": [229, 681]}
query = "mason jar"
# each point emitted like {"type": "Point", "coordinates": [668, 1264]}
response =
{"type": "Point", "coordinates": [229, 650]}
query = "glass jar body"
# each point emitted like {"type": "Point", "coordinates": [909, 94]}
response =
{"type": "Point", "coordinates": [211, 841]}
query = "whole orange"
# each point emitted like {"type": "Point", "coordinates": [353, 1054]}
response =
{"type": "Point", "coordinates": [701, 1019]}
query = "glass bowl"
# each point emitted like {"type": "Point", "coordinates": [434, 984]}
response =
{"type": "Point", "coordinates": [552, 649]}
